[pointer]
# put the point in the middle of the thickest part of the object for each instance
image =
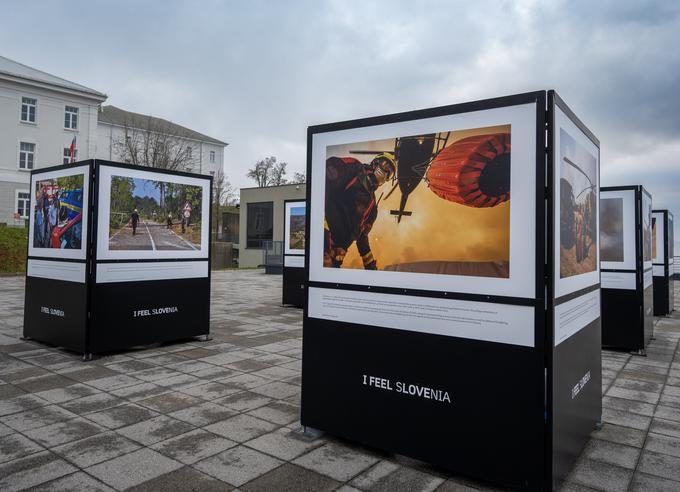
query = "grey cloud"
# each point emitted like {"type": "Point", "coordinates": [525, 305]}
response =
{"type": "Point", "coordinates": [256, 74]}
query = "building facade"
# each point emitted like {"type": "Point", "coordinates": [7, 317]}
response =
{"type": "Point", "coordinates": [40, 114]}
{"type": "Point", "coordinates": [261, 219]}
{"type": "Point", "coordinates": [205, 155]}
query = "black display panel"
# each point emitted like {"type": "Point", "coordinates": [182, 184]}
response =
{"type": "Point", "coordinates": [465, 405]}
{"type": "Point", "coordinates": [55, 312]}
{"type": "Point", "coordinates": [148, 312]}
{"type": "Point", "coordinates": [293, 286]}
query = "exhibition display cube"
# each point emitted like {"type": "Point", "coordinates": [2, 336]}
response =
{"type": "Point", "coordinates": [453, 286]}
{"type": "Point", "coordinates": [294, 230]}
{"type": "Point", "coordinates": [662, 250]}
{"type": "Point", "coordinates": [626, 267]}
{"type": "Point", "coordinates": [118, 256]}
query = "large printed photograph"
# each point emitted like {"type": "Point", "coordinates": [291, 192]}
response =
{"type": "Point", "coordinates": [154, 215]}
{"type": "Point", "coordinates": [58, 212]}
{"type": "Point", "coordinates": [578, 208]}
{"type": "Point", "coordinates": [296, 229]}
{"type": "Point", "coordinates": [611, 229]}
{"type": "Point", "coordinates": [435, 203]}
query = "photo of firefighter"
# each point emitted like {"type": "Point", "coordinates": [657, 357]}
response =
{"type": "Point", "coordinates": [611, 229]}
{"type": "Point", "coordinates": [154, 215]}
{"type": "Point", "coordinates": [578, 208]}
{"type": "Point", "coordinates": [436, 204]}
{"type": "Point", "coordinates": [646, 228]}
{"type": "Point", "coordinates": [296, 235]}
{"type": "Point", "coordinates": [58, 212]}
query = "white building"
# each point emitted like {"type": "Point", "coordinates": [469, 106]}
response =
{"type": "Point", "coordinates": [40, 114]}
{"type": "Point", "coordinates": [205, 153]}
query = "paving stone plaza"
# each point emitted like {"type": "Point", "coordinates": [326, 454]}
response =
{"type": "Point", "coordinates": [224, 414]}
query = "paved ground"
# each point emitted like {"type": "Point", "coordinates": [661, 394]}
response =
{"type": "Point", "coordinates": [219, 415]}
{"type": "Point", "coordinates": [150, 236]}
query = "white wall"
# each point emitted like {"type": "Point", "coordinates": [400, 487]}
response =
{"type": "Point", "coordinates": [48, 134]}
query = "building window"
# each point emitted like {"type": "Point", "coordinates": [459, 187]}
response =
{"type": "Point", "coordinates": [23, 203]}
{"type": "Point", "coordinates": [260, 223]}
{"type": "Point", "coordinates": [212, 156]}
{"type": "Point", "coordinates": [71, 118]}
{"type": "Point", "coordinates": [189, 152]}
{"type": "Point", "coordinates": [26, 155]}
{"type": "Point", "coordinates": [67, 155]}
{"type": "Point", "coordinates": [29, 108]}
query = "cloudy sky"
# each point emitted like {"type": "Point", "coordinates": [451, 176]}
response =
{"type": "Point", "coordinates": [257, 73]}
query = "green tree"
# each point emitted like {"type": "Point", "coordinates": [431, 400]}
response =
{"type": "Point", "coordinates": [122, 201]}
{"type": "Point", "coordinates": [72, 182]}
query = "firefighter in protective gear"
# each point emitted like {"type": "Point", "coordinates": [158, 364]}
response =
{"type": "Point", "coordinates": [351, 207]}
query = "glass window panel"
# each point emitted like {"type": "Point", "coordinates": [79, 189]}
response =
{"type": "Point", "coordinates": [260, 223]}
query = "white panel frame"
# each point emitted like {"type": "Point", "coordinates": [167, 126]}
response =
{"type": "Point", "coordinates": [143, 271]}
{"type": "Point", "coordinates": [522, 280]}
{"type": "Point", "coordinates": [491, 322]}
{"type": "Point", "coordinates": [70, 254]}
{"type": "Point", "coordinates": [575, 314]}
{"type": "Point", "coordinates": [67, 271]}
{"type": "Point", "coordinates": [294, 261]}
{"type": "Point", "coordinates": [619, 280]}
{"type": "Point", "coordinates": [286, 227]}
{"type": "Point", "coordinates": [660, 246]}
{"type": "Point", "coordinates": [104, 206]}
{"type": "Point", "coordinates": [564, 286]}
{"type": "Point", "coordinates": [628, 197]}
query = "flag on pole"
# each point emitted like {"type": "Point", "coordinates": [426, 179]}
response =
{"type": "Point", "coordinates": [72, 149]}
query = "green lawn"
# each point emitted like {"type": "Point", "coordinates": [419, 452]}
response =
{"type": "Point", "coordinates": [13, 244]}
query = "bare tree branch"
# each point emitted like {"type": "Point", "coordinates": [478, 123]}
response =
{"type": "Point", "coordinates": [149, 142]}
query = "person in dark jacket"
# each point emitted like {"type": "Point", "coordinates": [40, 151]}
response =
{"type": "Point", "coordinates": [351, 207]}
{"type": "Point", "coordinates": [134, 219]}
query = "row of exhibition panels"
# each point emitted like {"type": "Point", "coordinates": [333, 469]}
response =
{"type": "Point", "coordinates": [473, 342]}
{"type": "Point", "coordinates": [636, 264]}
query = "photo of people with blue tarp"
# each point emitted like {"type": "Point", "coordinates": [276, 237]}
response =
{"type": "Point", "coordinates": [58, 212]}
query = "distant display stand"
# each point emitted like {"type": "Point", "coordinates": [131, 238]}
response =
{"type": "Point", "coordinates": [626, 265]}
{"type": "Point", "coordinates": [294, 233]}
{"type": "Point", "coordinates": [662, 251]}
{"type": "Point", "coordinates": [118, 256]}
{"type": "Point", "coordinates": [431, 321]}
